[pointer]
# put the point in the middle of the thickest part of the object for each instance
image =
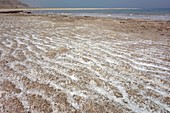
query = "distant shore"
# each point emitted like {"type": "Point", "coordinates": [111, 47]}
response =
{"type": "Point", "coordinates": [44, 9]}
{"type": "Point", "coordinates": [28, 10]}
{"type": "Point", "coordinates": [122, 13]}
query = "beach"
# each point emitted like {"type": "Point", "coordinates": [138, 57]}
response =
{"type": "Point", "coordinates": [59, 63]}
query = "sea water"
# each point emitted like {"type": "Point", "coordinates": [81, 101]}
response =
{"type": "Point", "coordinates": [151, 14]}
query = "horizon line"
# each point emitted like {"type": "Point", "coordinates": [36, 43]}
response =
{"type": "Point", "coordinates": [42, 8]}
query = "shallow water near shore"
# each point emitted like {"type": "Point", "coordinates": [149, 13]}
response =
{"type": "Point", "coordinates": [55, 63]}
{"type": "Point", "coordinates": [151, 14]}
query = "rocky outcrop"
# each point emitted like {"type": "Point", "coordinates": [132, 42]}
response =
{"type": "Point", "coordinates": [12, 4]}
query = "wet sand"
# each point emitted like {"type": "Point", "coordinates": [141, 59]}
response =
{"type": "Point", "coordinates": [57, 63]}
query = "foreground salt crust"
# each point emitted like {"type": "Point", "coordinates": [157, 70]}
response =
{"type": "Point", "coordinates": [59, 66]}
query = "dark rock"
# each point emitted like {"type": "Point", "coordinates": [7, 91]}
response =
{"type": "Point", "coordinates": [12, 12]}
{"type": "Point", "coordinates": [122, 22]}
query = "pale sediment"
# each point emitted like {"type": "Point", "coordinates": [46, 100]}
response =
{"type": "Point", "coordinates": [83, 64]}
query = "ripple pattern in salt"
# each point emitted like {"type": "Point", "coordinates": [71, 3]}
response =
{"type": "Point", "coordinates": [48, 66]}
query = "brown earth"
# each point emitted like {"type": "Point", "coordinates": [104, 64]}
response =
{"type": "Point", "coordinates": [12, 4]}
{"type": "Point", "coordinates": [56, 63]}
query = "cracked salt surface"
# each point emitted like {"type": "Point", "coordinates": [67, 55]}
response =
{"type": "Point", "coordinates": [69, 67]}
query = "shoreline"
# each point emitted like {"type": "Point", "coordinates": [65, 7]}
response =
{"type": "Point", "coordinates": [84, 12]}
{"type": "Point", "coordinates": [25, 13]}
{"type": "Point", "coordinates": [43, 9]}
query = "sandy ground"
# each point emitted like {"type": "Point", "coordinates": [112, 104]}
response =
{"type": "Point", "coordinates": [53, 64]}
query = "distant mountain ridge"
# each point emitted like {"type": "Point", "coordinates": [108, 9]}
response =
{"type": "Point", "coordinates": [12, 4]}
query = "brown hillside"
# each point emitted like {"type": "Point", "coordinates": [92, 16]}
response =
{"type": "Point", "coordinates": [12, 4]}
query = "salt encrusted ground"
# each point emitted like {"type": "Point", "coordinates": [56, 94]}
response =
{"type": "Point", "coordinates": [83, 64]}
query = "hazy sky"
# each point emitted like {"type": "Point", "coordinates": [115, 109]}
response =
{"type": "Point", "coordinates": [100, 3]}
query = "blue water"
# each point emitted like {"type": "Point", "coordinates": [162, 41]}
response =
{"type": "Point", "coordinates": [151, 14]}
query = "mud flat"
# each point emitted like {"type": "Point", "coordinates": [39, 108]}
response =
{"type": "Point", "coordinates": [56, 63]}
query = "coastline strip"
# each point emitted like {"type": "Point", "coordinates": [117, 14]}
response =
{"type": "Point", "coordinates": [44, 9]}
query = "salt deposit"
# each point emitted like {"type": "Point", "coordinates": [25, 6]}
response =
{"type": "Point", "coordinates": [52, 65]}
